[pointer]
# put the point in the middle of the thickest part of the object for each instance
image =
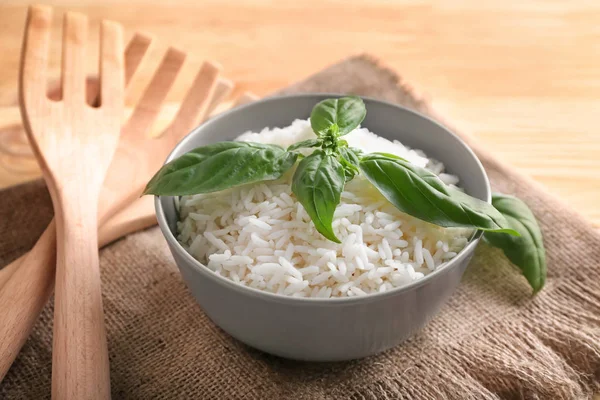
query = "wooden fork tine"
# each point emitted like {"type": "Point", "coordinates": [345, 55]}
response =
{"type": "Point", "coordinates": [35, 53]}
{"type": "Point", "coordinates": [148, 107]}
{"type": "Point", "coordinates": [222, 90]}
{"type": "Point", "coordinates": [112, 76]}
{"type": "Point", "coordinates": [73, 58]}
{"type": "Point", "coordinates": [134, 53]}
{"type": "Point", "coordinates": [194, 106]}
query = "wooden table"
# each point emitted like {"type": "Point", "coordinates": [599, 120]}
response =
{"type": "Point", "coordinates": [522, 76]}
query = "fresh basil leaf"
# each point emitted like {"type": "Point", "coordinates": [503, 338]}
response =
{"type": "Point", "coordinates": [220, 166]}
{"type": "Point", "coordinates": [318, 184]}
{"type": "Point", "coordinates": [304, 144]}
{"type": "Point", "coordinates": [527, 251]}
{"type": "Point", "coordinates": [420, 193]}
{"type": "Point", "coordinates": [337, 116]}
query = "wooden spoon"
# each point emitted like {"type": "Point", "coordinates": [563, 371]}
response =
{"type": "Point", "coordinates": [74, 144]}
{"type": "Point", "coordinates": [23, 298]}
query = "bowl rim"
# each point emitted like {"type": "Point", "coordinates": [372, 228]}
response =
{"type": "Point", "coordinates": [197, 266]}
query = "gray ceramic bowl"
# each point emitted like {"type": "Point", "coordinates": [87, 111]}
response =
{"type": "Point", "coordinates": [326, 329]}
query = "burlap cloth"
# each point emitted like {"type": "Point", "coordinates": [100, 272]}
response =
{"type": "Point", "coordinates": [492, 340]}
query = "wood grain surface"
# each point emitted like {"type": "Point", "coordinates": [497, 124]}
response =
{"type": "Point", "coordinates": [524, 77]}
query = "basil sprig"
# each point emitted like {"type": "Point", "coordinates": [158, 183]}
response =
{"type": "Point", "coordinates": [320, 177]}
{"type": "Point", "coordinates": [526, 251]}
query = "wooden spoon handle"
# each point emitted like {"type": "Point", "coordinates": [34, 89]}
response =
{"type": "Point", "coordinates": [80, 368]}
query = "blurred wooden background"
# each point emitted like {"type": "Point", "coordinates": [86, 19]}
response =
{"type": "Point", "coordinates": [522, 76]}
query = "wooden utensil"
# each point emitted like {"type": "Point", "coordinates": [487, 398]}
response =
{"type": "Point", "coordinates": [134, 53]}
{"type": "Point", "coordinates": [24, 299]}
{"type": "Point", "coordinates": [74, 144]}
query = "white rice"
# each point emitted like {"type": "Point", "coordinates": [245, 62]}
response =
{"type": "Point", "coordinates": [259, 236]}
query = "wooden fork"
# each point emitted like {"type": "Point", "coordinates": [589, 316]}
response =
{"type": "Point", "coordinates": [137, 157]}
{"type": "Point", "coordinates": [74, 144]}
{"type": "Point", "coordinates": [134, 53]}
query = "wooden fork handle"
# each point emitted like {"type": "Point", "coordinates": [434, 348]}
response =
{"type": "Point", "coordinates": [80, 367]}
{"type": "Point", "coordinates": [32, 282]}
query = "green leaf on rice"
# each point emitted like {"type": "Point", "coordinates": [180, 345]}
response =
{"type": "Point", "coordinates": [220, 166]}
